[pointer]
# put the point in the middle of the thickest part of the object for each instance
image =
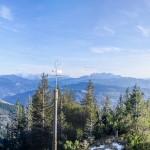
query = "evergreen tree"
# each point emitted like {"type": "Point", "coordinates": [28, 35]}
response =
{"type": "Point", "coordinates": [29, 122]}
{"type": "Point", "coordinates": [107, 117]}
{"type": "Point", "coordinates": [42, 116]}
{"type": "Point", "coordinates": [90, 110]}
{"type": "Point", "coordinates": [120, 123]}
{"type": "Point", "coordinates": [90, 95]}
{"type": "Point", "coordinates": [138, 128]}
{"type": "Point", "coordinates": [61, 119]}
{"type": "Point", "coordinates": [29, 113]}
{"type": "Point", "coordinates": [18, 132]}
{"type": "Point", "coordinates": [133, 107]}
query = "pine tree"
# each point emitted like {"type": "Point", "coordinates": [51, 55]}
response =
{"type": "Point", "coordinates": [138, 128]}
{"type": "Point", "coordinates": [42, 116]}
{"type": "Point", "coordinates": [90, 110]}
{"type": "Point", "coordinates": [108, 116]}
{"type": "Point", "coordinates": [61, 119]}
{"type": "Point", "coordinates": [61, 116]}
{"type": "Point", "coordinates": [120, 123]}
{"type": "Point", "coordinates": [68, 96]}
{"type": "Point", "coordinates": [18, 132]}
{"type": "Point", "coordinates": [29, 113]}
{"type": "Point", "coordinates": [90, 95]}
{"type": "Point", "coordinates": [133, 107]}
{"type": "Point", "coordinates": [7, 140]}
{"type": "Point", "coordinates": [29, 122]}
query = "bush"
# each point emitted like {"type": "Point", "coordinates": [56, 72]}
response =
{"type": "Point", "coordinates": [69, 145]}
{"type": "Point", "coordinates": [136, 141]}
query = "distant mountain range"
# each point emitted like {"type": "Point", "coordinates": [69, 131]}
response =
{"type": "Point", "coordinates": [13, 87]}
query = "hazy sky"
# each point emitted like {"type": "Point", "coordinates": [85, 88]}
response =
{"type": "Point", "coordinates": [85, 36]}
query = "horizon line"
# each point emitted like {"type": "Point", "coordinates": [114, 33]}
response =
{"type": "Point", "coordinates": [70, 76]}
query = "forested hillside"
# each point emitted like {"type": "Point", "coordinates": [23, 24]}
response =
{"type": "Point", "coordinates": [7, 112]}
{"type": "Point", "coordinates": [80, 125]}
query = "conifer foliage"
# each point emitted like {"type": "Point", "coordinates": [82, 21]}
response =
{"type": "Point", "coordinates": [89, 103]}
{"type": "Point", "coordinates": [79, 125]}
{"type": "Point", "coordinates": [41, 116]}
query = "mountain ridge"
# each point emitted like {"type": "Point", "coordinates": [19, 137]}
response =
{"type": "Point", "coordinates": [13, 87]}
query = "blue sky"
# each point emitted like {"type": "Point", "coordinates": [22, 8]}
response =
{"type": "Point", "coordinates": [85, 36]}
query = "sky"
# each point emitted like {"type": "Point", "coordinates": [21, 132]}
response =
{"type": "Point", "coordinates": [84, 36]}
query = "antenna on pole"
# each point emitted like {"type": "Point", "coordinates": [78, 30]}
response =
{"type": "Point", "coordinates": [56, 71]}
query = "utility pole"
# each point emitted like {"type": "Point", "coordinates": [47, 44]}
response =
{"type": "Point", "coordinates": [55, 120]}
{"type": "Point", "coordinates": [55, 108]}
{"type": "Point", "coordinates": [43, 101]}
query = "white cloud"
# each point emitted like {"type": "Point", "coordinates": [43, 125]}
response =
{"type": "Point", "coordinates": [100, 50]}
{"type": "Point", "coordinates": [144, 31]}
{"type": "Point", "coordinates": [5, 12]}
{"type": "Point", "coordinates": [109, 30]}
{"type": "Point", "coordinates": [104, 30]}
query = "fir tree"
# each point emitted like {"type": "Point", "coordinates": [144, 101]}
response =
{"type": "Point", "coordinates": [29, 113]}
{"type": "Point", "coordinates": [120, 123]}
{"type": "Point", "coordinates": [41, 116]}
{"type": "Point", "coordinates": [90, 110]}
{"type": "Point", "coordinates": [107, 117]}
{"type": "Point", "coordinates": [18, 132]}
{"type": "Point", "coordinates": [61, 115]}
{"type": "Point", "coordinates": [29, 122]}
